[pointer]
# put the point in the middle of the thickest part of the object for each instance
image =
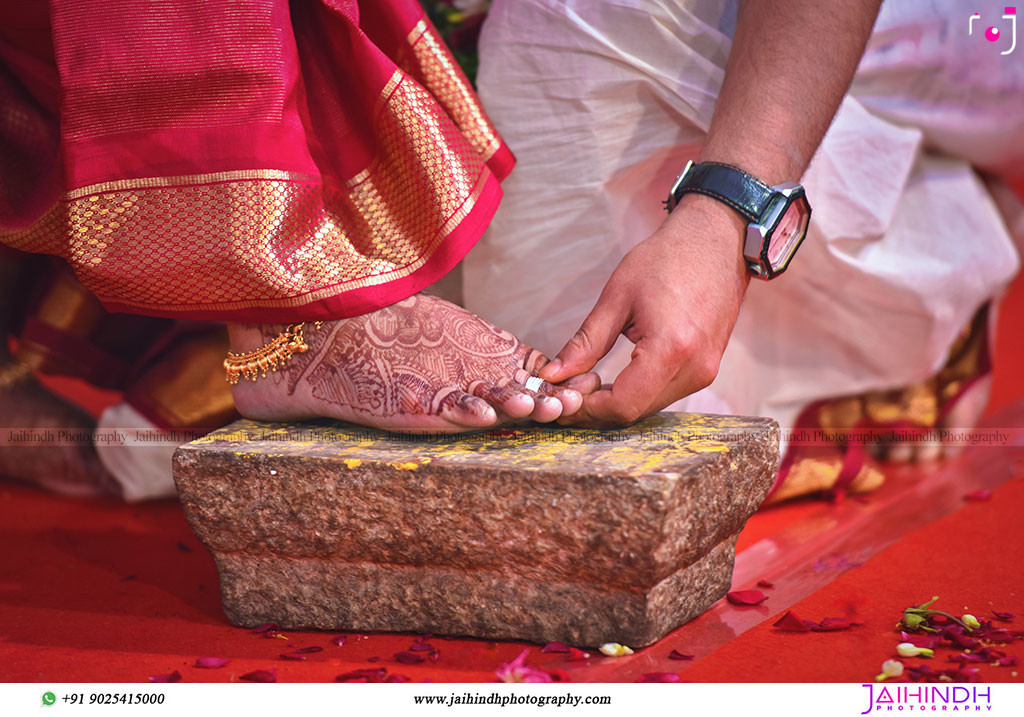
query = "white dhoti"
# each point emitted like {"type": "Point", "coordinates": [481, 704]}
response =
{"type": "Point", "coordinates": [603, 103]}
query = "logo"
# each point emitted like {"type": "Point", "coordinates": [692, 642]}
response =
{"type": "Point", "coordinates": [993, 34]}
{"type": "Point", "coordinates": [932, 698]}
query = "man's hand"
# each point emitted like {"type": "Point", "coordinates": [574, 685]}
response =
{"type": "Point", "coordinates": [676, 296]}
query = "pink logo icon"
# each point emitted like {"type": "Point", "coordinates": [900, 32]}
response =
{"type": "Point", "coordinates": [993, 34]}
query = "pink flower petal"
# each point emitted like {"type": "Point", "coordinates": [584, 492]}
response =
{"type": "Point", "coordinates": [434, 656]}
{"type": "Point", "coordinates": [677, 655]}
{"type": "Point", "coordinates": [922, 640]}
{"type": "Point", "coordinates": [339, 640]}
{"type": "Point", "coordinates": [765, 584]}
{"type": "Point", "coordinates": [292, 656]}
{"type": "Point", "coordinates": [555, 646]}
{"type": "Point", "coordinates": [963, 657]}
{"type": "Point", "coordinates": [409, 658]}
{"type": "Point", "coordinates": [966, 674]}
{"type": "Point", "coordinates": [978, 495]}
{"type": "Point", "coordinates": [421, 647]}
{"type": "Point", "coordinates": [830, 624]}
{"type": "Point", "coordinates": [363, 675]}
{"type": "Point", "coordinates": [211, 663]}
{"type": "Point", "coordinates": [576, 655]}
{"type": "Point", "coordinates": [659, 677]}
{"type": "Point", "coordinates": [1008, 661]}
{"type": "Point", "coordinates": [1004, 616]}
{"type": "Point", "coordinates": [260, 676]}
{"type": "Point", "coordinates": [922, 672]}
{"type": "Point", "coordinates": [791, 623]}
{"type": "Point", "coordinates": [267, 626]}
{"type": "Point", "coordinates": [308, 650]}
{"type": "Point", "coordinates": [999, 635]}
{"type": "Point", "coordinates": [746, 597]}
{"type": "Point", "coordinates": [955, 634]}
{"type": "Point", "coordinates": [173, 677]}
{"type": "Point", "coordinates": [519, 671]}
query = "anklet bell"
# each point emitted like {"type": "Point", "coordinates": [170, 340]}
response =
{"type": "Point", "coordinates": [272, 356]}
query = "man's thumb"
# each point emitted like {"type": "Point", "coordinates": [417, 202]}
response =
{"type": "Point", "coordinates": [588, 346]}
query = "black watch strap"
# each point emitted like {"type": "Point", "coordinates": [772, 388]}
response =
{"type": "Point", "coordinates": [742, 191]}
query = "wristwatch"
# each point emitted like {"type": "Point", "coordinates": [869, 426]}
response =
{"type": "Point", "coordinates": [777, 215]}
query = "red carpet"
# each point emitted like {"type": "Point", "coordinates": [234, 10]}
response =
{"type": "Point", "coordinates": [100, 592]}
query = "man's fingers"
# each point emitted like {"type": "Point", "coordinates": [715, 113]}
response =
{"type": "Point", "coordinates": [593, 340]}
{"type": "Point", "coordinates": [660, 373]}
{"type": "Point", "coordinates": [584, 383]}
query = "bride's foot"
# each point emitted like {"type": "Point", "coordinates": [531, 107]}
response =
{"type": "Point", "coordinates": [420, 365]}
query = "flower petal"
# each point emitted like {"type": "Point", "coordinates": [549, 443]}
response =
{"type": "Point", "coordinates": [830, 624]}
{"type": "Point", "coordinates": [173, 677]}
{"type": "Point", "coordinates": [421, 647]}
{"type": "Point", "coordinates": [211, 663]}
{"type": "Point", "coordinates": [791, 623]}
{"type": "Point", "coordinates": [746, 597]}
{"type": "Point", "coordinates": [765, 584]}
{"type": "Point", "coordinates": [978, 495]}
{"type": "Point", "coordinates": [955, 634]}
{"type": "Point", "coordinates": [363, 675]}
{"type": "Point", "coordinates": [576, 655]}
{"type": "Point", "coordinates": [920, 640]}
{"type": "Point", "coordinates": [659, 677]}
{"type": "Point", "coordinates": [677, 655]}
{"type": "Point", "coordinates": [519, 671]}
{"type": "Point", "coordinates": [963, 657]}
{"type": "Point", "coordinates": [260, 676]}
{"type": "Point", "coordinates": [409, 658]}
{"type": "Point", "coordinates": [965, 674]}
{"type": "Point", "coordinates": [291, 656]}
{"type": "Point", "coordinates": [1004, 616]}
{"type": "Point", "coordinates": [308, 650]}
{"type": "Point", "coordinates": [555, 646]}
{"type": "Point", "coordinates": [339, 640]}
{"type": "Point", "coordinates": [267, 626]}
{"type": "Point", "coordinates": [434, 656]}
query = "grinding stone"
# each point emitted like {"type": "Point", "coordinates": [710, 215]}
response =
{"type": "Point", "coordinates": [532, 533]}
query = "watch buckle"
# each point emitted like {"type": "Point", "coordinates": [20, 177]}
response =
{"type": "Point", "coordinates": [673, 199]}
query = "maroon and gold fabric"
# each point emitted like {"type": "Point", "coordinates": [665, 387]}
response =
{"type": "Point", "coordinates": [169, 371]}
{"type": "Point", "coordinates": [241, 159]}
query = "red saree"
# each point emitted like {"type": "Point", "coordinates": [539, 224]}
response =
{"type": "Point", "coordinates": [252, 160]}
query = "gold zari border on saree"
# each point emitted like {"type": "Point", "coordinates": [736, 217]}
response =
{"type": "Point", "coordinates": [433, 65]}
{"type": "Point", "coordinates": [270, 238]}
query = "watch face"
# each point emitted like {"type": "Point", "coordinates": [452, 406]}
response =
{"type": "Point", "coordinates": [789, 231]}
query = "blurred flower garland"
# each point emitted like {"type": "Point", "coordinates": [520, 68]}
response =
{"type": "Point", "coordinates": [459, 23]}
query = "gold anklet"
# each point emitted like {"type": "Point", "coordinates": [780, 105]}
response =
{"type": "Point", "coordinates": [255, 364]}
{"type": "Point", "coordinates": [12, 373]}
